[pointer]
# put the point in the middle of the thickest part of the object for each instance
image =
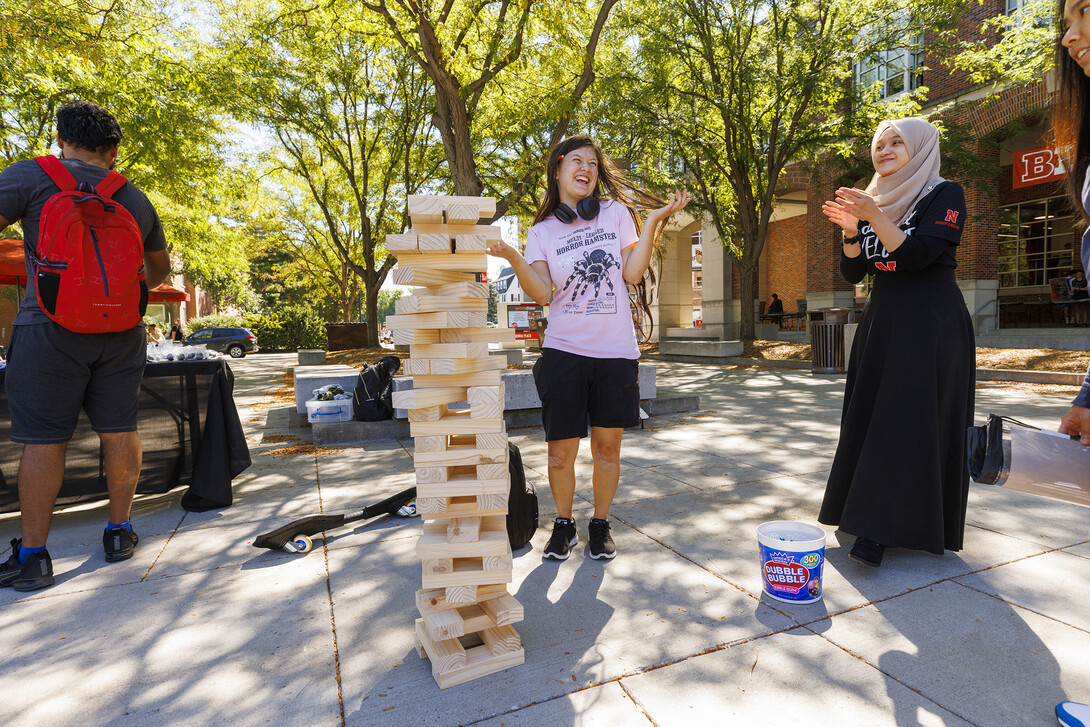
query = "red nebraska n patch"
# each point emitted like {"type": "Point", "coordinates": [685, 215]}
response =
{"type": "Point", "coordinates": [952, 216]}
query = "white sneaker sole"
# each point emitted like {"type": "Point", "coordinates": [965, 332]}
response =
{"type": "Point", "coordinates": [601, 556]}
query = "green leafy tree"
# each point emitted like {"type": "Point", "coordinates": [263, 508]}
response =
{"type": "Point", "coordinates": [386, 301]}
{"type": "Point", "coordinates": [506, 77]}
{"type": "Point", "coordinates": [348, 111]}
{"type": "Point", "coordinates": [1011, 49]}
{"type": "Point", "coordinates": [145, 63]}
{"type": "Point", "coordinates": [732, 92]}
{"type": "Point", "coordinates": [493, 303]}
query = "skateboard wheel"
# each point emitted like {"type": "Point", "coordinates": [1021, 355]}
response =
{"type": "Point", "coordinates": [299, 544]}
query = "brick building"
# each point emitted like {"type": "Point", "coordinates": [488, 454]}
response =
{"type": "Point", "coordinates": [1021, 232]}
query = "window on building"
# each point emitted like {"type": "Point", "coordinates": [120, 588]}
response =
{"type": "Point", "coordinates": [1036, 240]}
{"type": "Point", "coordinates": [1039, 11]}
{"type": "Point", "coordinates": [893, 71]}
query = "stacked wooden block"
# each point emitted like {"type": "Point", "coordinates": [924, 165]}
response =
{"type": "Point", "coordinates": [461, 457]}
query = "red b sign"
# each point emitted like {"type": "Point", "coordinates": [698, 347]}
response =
{"type": "Point", "coordinates": [1037, 166]}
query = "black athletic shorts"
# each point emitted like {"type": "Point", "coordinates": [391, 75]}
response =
{"type": "Point", "coordinates": [579, 390]}
{"type": "Point", "coordinates": [52, 373]}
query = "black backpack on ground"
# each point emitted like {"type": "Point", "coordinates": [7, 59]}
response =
{"type": "Point", "coordinates": [522, 504]}
{"type": "Point", "coordinates": [373, 398]}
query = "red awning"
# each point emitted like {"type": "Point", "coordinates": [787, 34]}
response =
{"type": "Point", "coordinates": [12, 264]}
{"type": "Point", "coordinates": [166, 292]}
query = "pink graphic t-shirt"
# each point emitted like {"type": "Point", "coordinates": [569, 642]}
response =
{"type": "Point", "coordinates": [589, 314]}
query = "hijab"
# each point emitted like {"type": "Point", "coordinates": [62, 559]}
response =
{"type": "Point", "coordinates": [897, 193]}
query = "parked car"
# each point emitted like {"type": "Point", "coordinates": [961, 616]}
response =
{"type": "Point", "coordinates": [235, 342]}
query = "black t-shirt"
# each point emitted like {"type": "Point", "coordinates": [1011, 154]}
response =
{"type": "Point", "coordinates": [776, 306]}
{"type": "Point", "coordinates": [934, 232]}
{"type": "Point", "coordinates": [24, 190]}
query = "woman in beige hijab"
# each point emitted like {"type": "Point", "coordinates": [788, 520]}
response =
{"type": "Point", "coordinates": [899, 478]}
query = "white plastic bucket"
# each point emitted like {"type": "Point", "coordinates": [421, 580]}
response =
{"type": "Point", "coordinates": [792, 560]}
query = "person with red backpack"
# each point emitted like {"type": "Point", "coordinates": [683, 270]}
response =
{"type": "Point", "coordinates": [94, 246]}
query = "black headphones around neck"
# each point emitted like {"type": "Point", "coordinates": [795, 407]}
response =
{"type": "Point", "coordinates": [587, 208]}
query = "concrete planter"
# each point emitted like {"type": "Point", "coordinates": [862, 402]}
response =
{"type": "Point", "coordinates": [311, 356]}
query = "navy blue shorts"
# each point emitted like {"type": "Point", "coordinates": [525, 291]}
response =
{"type": "Point", "coordinates": [52, 373]}
{"type": "Point", "coordinates": [579, 390]}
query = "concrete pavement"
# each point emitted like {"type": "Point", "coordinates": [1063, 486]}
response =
{"type": "Point", "coordinates": [200, 628]}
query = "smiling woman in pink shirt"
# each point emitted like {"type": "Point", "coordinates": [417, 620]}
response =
{"type": "Point", "coordinates": [585, 246]}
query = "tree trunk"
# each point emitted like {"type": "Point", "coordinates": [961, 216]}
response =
{"type": "Point", "coordinates": [748, 294]}
{"type": "Point", "coordinates": [371, 297]}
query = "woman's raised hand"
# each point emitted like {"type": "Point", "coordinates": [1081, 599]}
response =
{"type": "Point", "coordinates": [847, 221]}
{"type": "Point", "coordinates": [675, 203]}
{"type": "Point", "coordinates": [859, 204]}
{"type": "Point", "coordinates": [501, 249]}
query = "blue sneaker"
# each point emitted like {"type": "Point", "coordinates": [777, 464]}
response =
{"type": "Point", "coordinates": [1073, 714]}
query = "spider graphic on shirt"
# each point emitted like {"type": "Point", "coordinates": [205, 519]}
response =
{"type": "Point", "coordinates": [593, 269]}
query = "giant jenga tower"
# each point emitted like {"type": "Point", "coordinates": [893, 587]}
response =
{"type": "Point", "coordinates": [461, 457]}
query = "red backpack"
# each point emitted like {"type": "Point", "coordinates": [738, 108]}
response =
{"type": "Point", "coordinates": [89, 264]}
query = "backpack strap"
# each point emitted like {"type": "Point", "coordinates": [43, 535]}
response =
{"type": "Point", "coordinates": [57, 172]}
{"type": "Point", "coordinates": [108, 186]}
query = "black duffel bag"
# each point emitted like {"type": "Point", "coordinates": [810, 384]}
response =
{"type": "Point", "coordinates": [373, 397]}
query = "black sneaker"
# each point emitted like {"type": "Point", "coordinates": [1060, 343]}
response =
{"type": "Point", "coordinates": [867, 552]}
{"type": "Point", "coordinates": [119, 544]}
{"type": "Point", "coordinates": [36, 573]}
{"type": "Point", "coordinates": [601, 543]}
{"type": "Point", "coordinates": [562, 539]}
{"type": "Point", "coordinates": [11, 568]}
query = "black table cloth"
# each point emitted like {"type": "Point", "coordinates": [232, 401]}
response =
{"type": "Point", "coordinates": [189, 428]}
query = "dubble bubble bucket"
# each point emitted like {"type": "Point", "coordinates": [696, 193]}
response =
{"type": "Point", "coordinates": [792, 559]}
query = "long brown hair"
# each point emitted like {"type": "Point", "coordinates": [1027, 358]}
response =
{"type": "Point", "coordinates": [618, 188]}
{"type": "Point", "coordinates": [1071, 116]}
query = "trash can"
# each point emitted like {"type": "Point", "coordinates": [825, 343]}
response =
{"type": "Point", "coordinates": [827, 339]}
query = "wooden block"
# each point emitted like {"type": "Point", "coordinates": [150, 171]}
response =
{"type": "Point", "coordinates": [449, 350]}
{"type": "Point", "coordinates": [466, 594]}
{"type": "Point", "coordinates": [467, 572]}
{"type": "Point", "coordinates": [401, 243]}
{"type": "Point", "coordinates": [461, 213]}
{"type": "Point", "coordinates": [461, 454]}
{"type": "Point", "coordinates": [415, 366]}
{"type": "Point", "coordinates": [426, 208]}
{"type": "Point", "coordinates": [430, 444]}
{"type": "Point", "coordinates": [463, 486]}
{"type": "Point", "coordinates": [465, 365]}
{"type": "Point", "coordinates": [460, 290]}
{"type": "Point", "coordinates": [409, 336]}
{"type": "Point", "coordinates": [419, 398]}
{"type": "Point", "coordinates": [404, 275]}
{"type": "Point", "coordinates": [434, 243]}
{"type": "Point", "coordinates": [428, 413]}
{"type": "Point", "coordinates": [491, 232]}
{"type": "Point", "coordinates": [468, 262]}
{"type": "Point", "coordinates": [501, 640]}
{"type": "Point", "coordinates": [489, 335]}
{"type": "Point", "coordinates": [492, 544]}
{"type": "Point", "coordinates": [495, 501]}
{"type": "Point", "coordinates": [455, 423]}
{"type": "Point", "coordinates": [439, 566]}
{"type": "Point", "coordinates": [437, 319]}
{"type": "Point", "coordinates": [433, 600]}
{"type": "Point", "coordinates": [465, 440]}
{"type": "Point", "coordinates": [497, 562]}
{"type": "Point", "coordinates": [431, 505]}
{"type": "Point", "coordinates": [430, 208]}
{"type": "Point", "coordinates": [485, 394]}
{"type": "Point", "coordinates": [464, 529]}
{"type": "Point", "coordinates": [425, 303]}
{"type": "Point", "coordinates": [491, 440]}
{"type": "Point", "coordinates": [438, 473]}
{"type": "Point", "coordinates": [448, 624]}
{"type": "Point", "coordinates": [503, 609]}
{"type": "Point", "coordinates": [491, 410]}
{"type": "Point", "coordinates": [455, 507]}
{"type": "Point", "coordinates": [492, 471]}
{"type": "Point", "coordinates": [445, 656]}
{"type": "Point", "coordinates": [469, 243]}
{"type": "Point", "coordinates": [477, 378]}
{"type": "Point", "coordinates": [479, 660]}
